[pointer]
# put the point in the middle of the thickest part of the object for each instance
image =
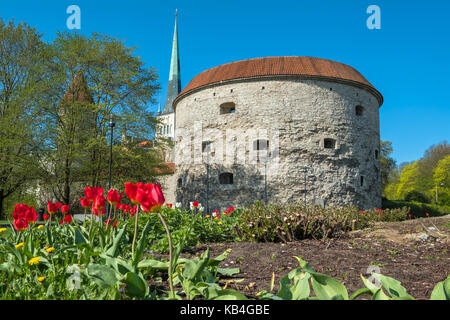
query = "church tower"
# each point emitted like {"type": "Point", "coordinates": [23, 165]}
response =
{"type": "Point", "coordinates": [167, 116]}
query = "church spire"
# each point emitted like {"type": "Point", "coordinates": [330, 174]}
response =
{"type": "Point", "coordinates": [174, 87]}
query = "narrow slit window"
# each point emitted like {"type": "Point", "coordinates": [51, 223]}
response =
{"type": "Point", "coordinates": [180, 183]}
{"type": "Point", "coordinates": [260, 144]}
{"type": "Point", "coordinates": [361, 181]}
{"type": "Point", "coordinates": [359, 110]}
{"type": "Point", "coordinates": [206, 146]}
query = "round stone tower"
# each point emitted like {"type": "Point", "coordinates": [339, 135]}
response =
{"type": "Point", "coordinates": [278, 129]}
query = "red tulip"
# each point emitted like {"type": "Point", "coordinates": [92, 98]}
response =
{"type": "Point", "coordinates": [53, 207]}
{"type": "Point", "coordinates": [132, 210]}
{"type": "Point", "coordinates": [150, 197]}
{"type": "Point", "coordinates": [130, 191]}
{"type": "Point", "coordinates": [61, 222]}
{"type": "Point", "coordinates": [20, 224]}
{"type": "Point", "coordinates": [92, 192]}
{"type": "Point", "coordinates": [46, 217]}
{"type": "Point", "coordinates": [85, 202]}
{"type": "Point", "coordinates": [31, 215]}
{"type": "Point", "coordinates": [114, 197]}
{"type": "Point", "coordinates": [195, 204]}
{"type": "Point", "coordinates": [65, 209]}
{"type": "Point", "coordinates": [68, 218]}
{"type": "Point", "coordinates": [99, 202]}
{"type": "Point", "coordinates": [20, 210]}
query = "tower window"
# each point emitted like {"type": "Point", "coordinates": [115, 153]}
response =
{"type": "Point", "coordinates": [361, 181]}
{"type": "Point", "coordinates": [226, 178]}
{"type": "Point", "coordinates": [227, 107]}
{"type": "Point", "coordinates": [329, 143]}
{"type": "Point", "coordinates": [260, 144]}
{"type": "Point", "coordinates": [359, 110]}
{"type": "Point", "coordinates": [376, 154]}
{"type": "Point", "coordinates": [206, 146]}
{"type": "Point", "coordinates": [180, 183]}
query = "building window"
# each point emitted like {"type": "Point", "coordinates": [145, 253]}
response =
{"type": "Point", "coordinates": [226, 178]}
{"type": "Point", "coordinates": [359, 110]}
{"type": "Point", "coordinates": [329, 143]}
{"type": "Point", "coordinates": [376, 154]}
{"type": "Point", "coordinates": [260, 144]}
{"type": "Point", "coordinates": [361, 181]}
{"type": "Point", "coordinates": [206, 146]}
{"type": "Point", "coordinates": [180, 183]}
{"type": "Point", "coordinates": [227, 107]}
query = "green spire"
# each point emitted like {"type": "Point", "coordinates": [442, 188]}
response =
{"type": "Point", "coordinates": [174, 86]}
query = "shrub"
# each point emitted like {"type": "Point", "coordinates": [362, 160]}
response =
{"type": "Point", "coordinates": [284, 223]}
{"type": "Point", "coordinates": [417, 209]}
{"type": "Point", "coordinates": [417, 197]}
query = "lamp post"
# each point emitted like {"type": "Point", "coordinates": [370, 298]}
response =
{"type": "Point", "coordinates": [111, 125]}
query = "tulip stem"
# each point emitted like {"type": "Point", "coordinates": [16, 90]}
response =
{"type": "Point", "coordinates": [135, 232]}
{"type": "Point", "coordinates": [172, 294]}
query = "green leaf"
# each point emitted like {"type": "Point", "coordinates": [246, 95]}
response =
{"type": "Point", "coordinates": [360, 292]}
{"type": "Point", "coordinates": [300, 290]}
{"type": "Point", "coordinates": [228, 271]}
{"type": "Point", "coordinates": [141, 244]}
{"type": "Point", "coordinates": [380, 295]}
{"type": "Point", "coordinates": [328, 288]}
{"type": "Point", "coordinates": [113, 251]}
{"type": "Point", "coordinates": [229, 294]}
{"type": "Point", "coordinates": [79, 238]}
{"type": "Point", "coordinates": [103, 275]}
{"type": "Point", "coordinates": [304, 265]}
{"type": "Point", "coordinates": [215, 262]}
{"type": "Point", "coordinates": [136, 285]}
{"type": "Point", "coordinates": [154, 264]}
{"type": "Point", "coordinates": [392, 286]}
{"type": "Point", "coordinates": [192, 269]}
{"type": "Point", "coordinates": [441, 291]}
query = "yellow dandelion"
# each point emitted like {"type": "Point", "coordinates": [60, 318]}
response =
{"type": "Point", "coordinates": [19, 245]}
{"type": "Point", "coordinates": [34, 260]}
{"type": "Point", "coordinates": [220, 222]}
{"type": "Point", "coordinates": [2, 229]}
{"type": "Point", "coordinates": [40, 279]}
{"type": "Point", "coordinates": [48, 250]}
{"type": "Point", "coordinates": [216, 217]}
{"type": "Point", "coordinates": [41, 226]}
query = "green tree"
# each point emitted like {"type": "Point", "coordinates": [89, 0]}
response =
{"type": "Point", "coordinates": [408, 180]}
{"type": "Point", "coordinates": [22, 84]}
{"type": "Point", "coordinates": [97, 76]}
{"type": "Point", "coordinates": [441, 179]}
{"type": "Point", "coordinates": [387, 163]}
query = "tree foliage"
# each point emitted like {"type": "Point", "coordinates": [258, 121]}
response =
{"type": "Point", "coordinates": [56, 101]}
{"type": "Point", "coordinates": [423, 176]}
{"type": "Point", "coordinates": [22, 83]}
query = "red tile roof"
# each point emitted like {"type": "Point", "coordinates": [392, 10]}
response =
{"type": "Point", "coordinates": [272, 66]}
{"type": "Point", "coordinates": [167, 168]}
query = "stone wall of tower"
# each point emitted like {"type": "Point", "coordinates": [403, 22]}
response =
{"type": "Point", "coordinates": [166, 129]}
{"type": "Point", "coordinates": [299, 115]}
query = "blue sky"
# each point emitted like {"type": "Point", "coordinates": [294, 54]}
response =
{"type": "Point", "coordinates": [407, 60]}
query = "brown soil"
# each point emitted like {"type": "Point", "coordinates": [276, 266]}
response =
{"type": "Point", "coordinates": [394, 247]}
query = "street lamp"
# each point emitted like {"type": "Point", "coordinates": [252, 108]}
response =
{"type": "Point", "coordinates": [111, 125]}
